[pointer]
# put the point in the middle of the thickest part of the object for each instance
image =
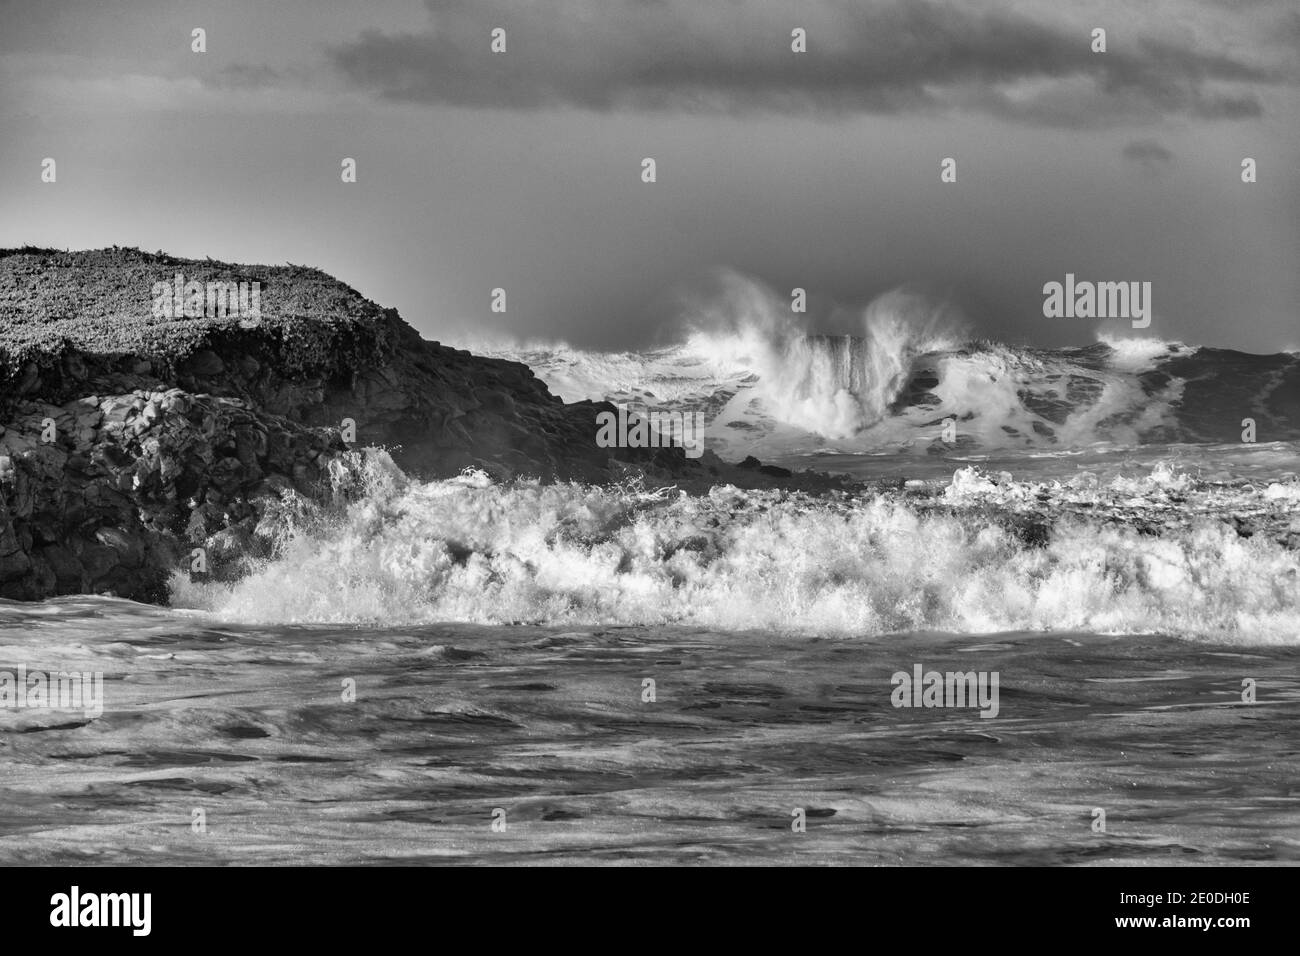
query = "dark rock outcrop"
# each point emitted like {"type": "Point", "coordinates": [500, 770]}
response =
{"type": "Point", "coordinates": [135, 443]}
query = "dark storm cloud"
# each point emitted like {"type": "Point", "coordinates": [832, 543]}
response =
{"type": "Point", "coordinates": [882, 57]}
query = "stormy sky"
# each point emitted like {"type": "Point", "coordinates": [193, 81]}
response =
{"type": "Point", "coordinates": [522, 169]}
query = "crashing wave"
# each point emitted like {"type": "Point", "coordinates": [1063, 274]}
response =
{"type": "Point", "coordinates": [1132, 555]}
{"type": "Point", "coordinates": [904, 370]}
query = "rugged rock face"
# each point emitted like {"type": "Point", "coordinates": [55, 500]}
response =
{"type": "Point", "coordinates": [131, 439]}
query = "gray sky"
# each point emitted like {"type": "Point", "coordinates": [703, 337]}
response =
{"type": "Point", "coordinates": [821, 170]}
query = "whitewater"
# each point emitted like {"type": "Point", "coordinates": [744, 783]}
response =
{"type": "Point", "coordinates": [1155, 554]}
{"type": "Point", "coordinates": [889, 381]}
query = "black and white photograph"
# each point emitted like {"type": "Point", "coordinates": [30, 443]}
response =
{"type": "Point", "coordinates": [650, 433]}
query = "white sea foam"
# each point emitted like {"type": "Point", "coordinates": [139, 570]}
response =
{"type": "Point", "coordinates": [471, 550]}
{"type": "Point", "coordinates": [1138, 354]}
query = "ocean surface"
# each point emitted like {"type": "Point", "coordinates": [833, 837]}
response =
{"type": "Point", "coordinates": [452, 722]}
{"type": "Point", "coordinates": [465, 671]}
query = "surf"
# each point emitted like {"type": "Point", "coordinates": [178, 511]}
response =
{"type": "Point", "coordinates": [968, 561]}
{"type": "Point", "coordinates": [907, 379]}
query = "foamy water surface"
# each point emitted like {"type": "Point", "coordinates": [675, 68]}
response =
{"type": "Point", "coordinates": [552, 731]}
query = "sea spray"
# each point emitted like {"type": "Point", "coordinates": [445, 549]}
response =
{"type": "Point", "coordinates": [469, 549]}
{"type": "Point", "coordinates": [902, 378]}
{"type": "Point", "coordinates": [833, 385]}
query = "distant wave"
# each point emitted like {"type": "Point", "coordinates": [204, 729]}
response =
{"type": "Point", "coordinates": [769, 387]}
{"type": "Point", "coordinates": [467, 549]}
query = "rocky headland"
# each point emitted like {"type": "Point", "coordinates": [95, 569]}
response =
{"type": "Point", "coordinates": [129, 439]}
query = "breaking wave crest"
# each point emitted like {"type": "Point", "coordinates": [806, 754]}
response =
{"type": "Point", "coordinates": [771, 387]}
{"type": "Point", "coordinates": [831, 385]}
{"type": "Point", "coordinates": [467, 549]}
